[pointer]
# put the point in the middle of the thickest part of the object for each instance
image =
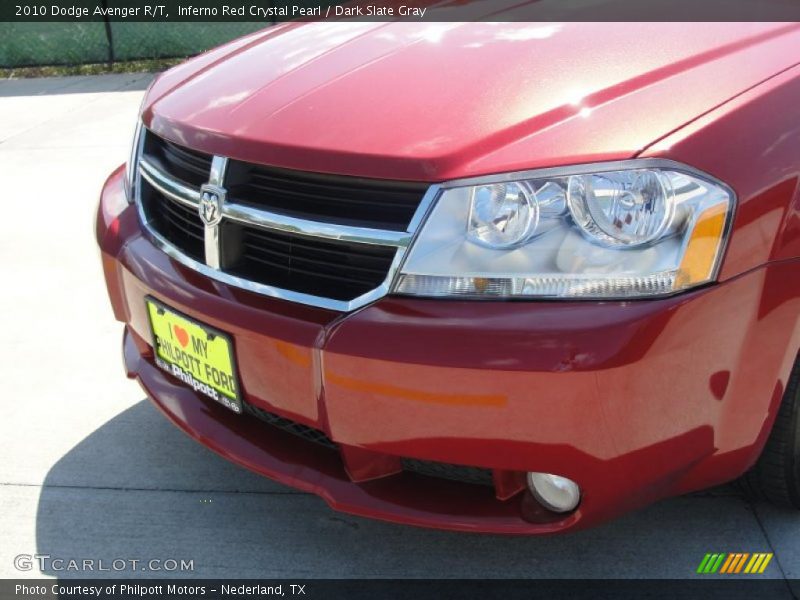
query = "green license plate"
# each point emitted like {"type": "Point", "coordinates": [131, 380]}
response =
{"type": "Point", "coordinates": [196, 354]}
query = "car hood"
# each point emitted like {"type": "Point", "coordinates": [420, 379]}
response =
{"type": "Point", "coordinates": [436, 101]}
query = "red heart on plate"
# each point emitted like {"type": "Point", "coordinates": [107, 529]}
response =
{"type": "Point", "coordinates": [181, 334]}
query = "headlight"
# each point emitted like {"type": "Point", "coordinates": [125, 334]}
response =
{"type": "Point", "coordinates": [132, 166]}
{"type": "Point", "coordinates": [502, 215]}
{"type": "Point", "coordinates": [616, 230]}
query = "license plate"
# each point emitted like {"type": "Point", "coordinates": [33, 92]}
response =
{"type": "Point", "coordinates": [196, 354]}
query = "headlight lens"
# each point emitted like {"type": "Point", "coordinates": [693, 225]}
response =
{"type": "Point", "coordinates": [502, 215]}
{"type": "Point", "coordinates": [596, 232]}
{"type": "Point", "coordinates": [622, 208]}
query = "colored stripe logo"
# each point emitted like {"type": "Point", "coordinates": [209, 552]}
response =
{"type": "Point", "coordinates": [734, 562]}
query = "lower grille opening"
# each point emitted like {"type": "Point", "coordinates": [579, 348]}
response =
{"type": "Point", "coordinates": [440, 470]}
{"type": "Point", "coordinates": [304, 431]}
{"type": "Point", "coordinates": [473, 475]}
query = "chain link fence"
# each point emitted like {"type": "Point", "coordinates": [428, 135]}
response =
{"type": "Point", "coordinates": [44, 44]}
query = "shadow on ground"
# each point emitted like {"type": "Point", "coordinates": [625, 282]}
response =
{"type": "Point", "coordinates": [137, 488]}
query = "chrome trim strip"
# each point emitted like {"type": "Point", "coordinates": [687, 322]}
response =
{"type": "Point", "coordinates": [211, 237]}
{"type": "Point", "coordinates": [219, 168]}
{"type": "Point", "coordinates": [415, 227]}
{"type": "Point", "coordinates": [131, 170]}
{"type": "Point", "coordinates": [424, 208]}
{"type": "Point", "coordinates": [166, 185]}
{"type": "Point", "coordinates": [269, 220]}
{"type": "Point", "coordinates": [211, 245]}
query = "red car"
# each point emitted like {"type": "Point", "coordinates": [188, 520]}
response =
{"type": "Point", "coordinates": [516, 278]}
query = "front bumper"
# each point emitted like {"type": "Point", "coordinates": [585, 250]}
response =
{"type": "Point", "coordinates": [635, 401]}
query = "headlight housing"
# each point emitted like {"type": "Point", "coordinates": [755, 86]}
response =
{"type": "Point", "coordinates": [612, 230]}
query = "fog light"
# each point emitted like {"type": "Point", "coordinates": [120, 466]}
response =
{"type": "Point", "coordinates": [555, 493]}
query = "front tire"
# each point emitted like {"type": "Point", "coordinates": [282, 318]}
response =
{"type": "Point", "coordinates": [776, 475]}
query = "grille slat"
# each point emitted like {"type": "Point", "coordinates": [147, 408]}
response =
{"type": "Point", "coordinates": [184, 226]}
{"type": "Point", "coordinates": [316, 259]}
{"type": "Point", "coordinates": [318, 193]}
{"type": "Point", "coordinates": [189, 166]}
{"type": "Point", "coordinates": [356, 201]}
{"type": "Point", "coordinates": [187, 159]}
{"type": "Point", "coordinates": [266, 239]}
{"type": "Point", "coordinates": [184, 217]}
{"type": "Point", "coordinates": [293, 266]}
{"type": "Point", "coordinates": [177, 223]}
{"type": "Point", "coordinates": [281, 259]}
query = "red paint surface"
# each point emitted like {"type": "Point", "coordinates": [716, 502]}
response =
{"type": "Point", "coordinates": [635, 400]}
{"type": "Point", "coordinates": [446, 100]}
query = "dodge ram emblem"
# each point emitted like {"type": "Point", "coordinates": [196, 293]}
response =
{"type": "Point", "coordinates": [210, 207]}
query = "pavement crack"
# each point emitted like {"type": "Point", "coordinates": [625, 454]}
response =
{"type": "Point", "coordinates": [146, 489]}
{"type": "Point", "coordinates": [775, 554]}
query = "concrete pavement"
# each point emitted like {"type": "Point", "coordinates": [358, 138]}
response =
{"type": "Point", "coordinates": [88, 469]}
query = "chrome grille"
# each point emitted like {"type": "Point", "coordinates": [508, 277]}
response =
{"type": "Point", "coordinates": [325, 240]}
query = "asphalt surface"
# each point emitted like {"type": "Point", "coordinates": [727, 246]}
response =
{"type": "Point", "coordinates": [89, 469]}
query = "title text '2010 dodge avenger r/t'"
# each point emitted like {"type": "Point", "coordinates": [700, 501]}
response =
{"type": "Point", "coordinates": [515, 278]}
